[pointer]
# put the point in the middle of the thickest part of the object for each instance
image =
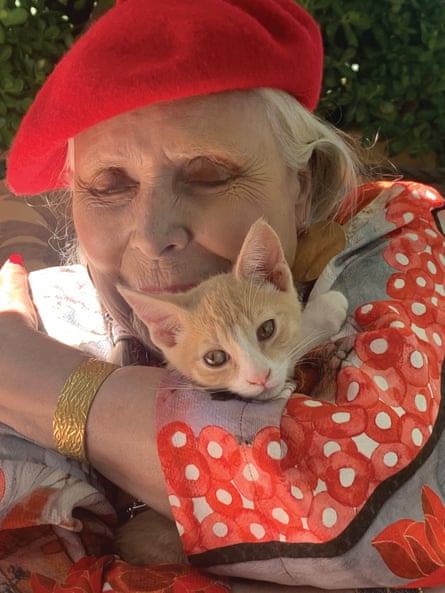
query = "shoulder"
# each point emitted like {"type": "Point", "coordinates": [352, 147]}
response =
{"type": "Point", "coordinates": [419, 195]}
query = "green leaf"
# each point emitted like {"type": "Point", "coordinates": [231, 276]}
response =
{"type": "Point", "coordinates": [16, 16]}
{"type": "Point", "coordinates": [5, 53]}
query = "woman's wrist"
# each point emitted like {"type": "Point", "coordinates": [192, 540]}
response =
{"type": "Point", "coordinates": [33, 369]}
{"type": "Point", "coordinates": [121, 440]}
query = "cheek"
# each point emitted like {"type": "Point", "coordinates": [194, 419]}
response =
{"type": "Point", "coordinates": [223, 231]}
{"type": "Point", "coordinates": [100, 236]}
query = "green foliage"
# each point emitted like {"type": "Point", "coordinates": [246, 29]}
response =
{"type": "Point", "coordinates": [34, 35]}
{"type": "Point", "coordinates": [385, 71]}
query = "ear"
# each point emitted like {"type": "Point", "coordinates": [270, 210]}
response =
{"type": "Point", "coordinates": [303, 201]}
{"type": "Point", "coordinates": [261, 257]}
{"type": "Point", "coordinates": [164, 319]}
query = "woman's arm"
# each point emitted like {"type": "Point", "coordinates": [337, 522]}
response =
{"type": "Point", "coordinates": [120, 435]}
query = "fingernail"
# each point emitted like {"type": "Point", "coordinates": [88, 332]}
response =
{"type": "Point", "coordinates": [15, 258]}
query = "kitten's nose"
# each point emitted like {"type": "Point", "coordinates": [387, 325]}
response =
{"type": "Point", "coordinates": [260, 378]}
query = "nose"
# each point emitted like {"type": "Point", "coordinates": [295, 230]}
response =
{"type": "Point", "coordinates": [160, 225]}
{"type": "Point", "coordinates": [259, 378]}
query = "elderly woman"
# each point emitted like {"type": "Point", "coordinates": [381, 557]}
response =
{"type": "Point", "coordinates": [174, 126]}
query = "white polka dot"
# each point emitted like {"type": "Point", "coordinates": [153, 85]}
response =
{"type": "Point", "coordinates": [180, 528]}
{"type": "Point", "coordinates": [192, 472]}
{"type": "Point", "coordinates": [421, 403]}
{"type": "Point", "coordinates": [390, 459]}
{"type": "Point", "coordinates": [399, 411]}
{"type": "Point", "coordinates": [214, 450]}
{"type": "Point", "coordinates": [331, 447]}
{"type": "Point", "coordinates": [402, 259]}
{"type": "Point", "coordinates": [320, 487]}
{"type": "Point", "coordinates": [329, 517]}
{"type": "Point", "coordinates": [397, 324]}
{"type": "Point", "coordinates": [442, 258]}
{"type": "Point", "coordinates": [220, 529]}
{"type": "Point", "coordinates": [412, 236]}
{"type": "Point", "coordinates": [274, 450]}
{"type": "Point", "coordinates": [437, 339]}
{"type": "Point", "coordinates": [341, 417]}
{"type": "Point", "coordinates": [420, 281]}
{"type": "Point", "coordinates": [431, 233]}
{"type": "Point", "coordinates": [347, 476]}
{"type": "Point", "coordinates": [381, 383]}
{"type": "Point", "coordinates": [418, 309]}
{"type": "Point", "coordinates": [179, 439]}
{"type": "Point", "coordinates": [399, 283]}
{"type": "Point", "coordinates": [392, 308]}
{"type": "Point", "coordinates": [379, 346]}
{"type": "Point", "coordinates": [353, 391]}
{"type": "Point", "coordinates": [257, 530]}
{"type": "Point", "coordinates": [439, 289]}
{"type": "Point", "coordinates": [297, 492]}
{"type": "Point", "coordinates": [223, 496]}
{"type": "Point", "coordinates": [280, 515]}
{"type": "Point", "coordinates": [312, 403]}
{"type": "Point", "coordinates": [383, 421]}
{"type": "Point", "coordinates": [174, 500]}
{"type": "Point", "coordinates": [250, 472]}
{"type": "Point", "coordinates": [366, 309]}
{"type": "Point", "coordinates": [417, 437]}
{"type": "Point", "coordinates": [420, 332]}
{"type": "Point", "coordinates": [435, 301]}
{"type": "Point", "coordinates": [408, 217]}
{"type": "Point", "coordinates": [431, 267]}
{"type": "Point", "coordinates": [416, 359]}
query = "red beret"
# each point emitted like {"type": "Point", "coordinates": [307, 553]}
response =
{"type": "Point", "coordinates": [145, 51]}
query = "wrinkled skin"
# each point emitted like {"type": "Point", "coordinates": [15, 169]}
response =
{"type": "Point", "coordinates": [164, 195]}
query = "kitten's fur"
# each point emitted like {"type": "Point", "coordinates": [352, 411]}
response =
{"type": "Point", "coordinates": [251, 316]}
{"type": "Point", "coordinates": [226, 313]}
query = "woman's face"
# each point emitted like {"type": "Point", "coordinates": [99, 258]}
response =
{"type": "Point", "coordinates": [164, 195]}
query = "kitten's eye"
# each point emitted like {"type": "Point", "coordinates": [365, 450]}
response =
{"type": "Point", "coordinates": [266, 330]}
{"type": "Point", "coordinates": [215, 358]}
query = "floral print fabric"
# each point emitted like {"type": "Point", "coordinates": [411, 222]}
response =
{"type": "Point", "coordinates": [310, 484]}
{"type": "Point", "coordinates": [341, 486]}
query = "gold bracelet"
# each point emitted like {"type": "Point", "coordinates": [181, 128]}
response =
{"type": "Point", "coordinates": [74, 403]}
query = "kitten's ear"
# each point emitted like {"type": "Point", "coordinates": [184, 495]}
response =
{"type": "Point", "coordinates": [164, 319]}
{"type": "Point", "coordinates": [261, 257]}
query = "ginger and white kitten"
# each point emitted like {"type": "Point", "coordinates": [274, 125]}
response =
{"type": "Point", "coordinates": [241, 331]}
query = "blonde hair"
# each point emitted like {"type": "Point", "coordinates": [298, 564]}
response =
{"type": "Point", "coordinates": [311, 145]}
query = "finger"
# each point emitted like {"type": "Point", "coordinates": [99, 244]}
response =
{"type": "Point", "coordinates": [15, 293]}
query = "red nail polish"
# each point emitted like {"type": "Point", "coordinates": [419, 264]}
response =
{"type": "Point", "coordinates": [15, 258]}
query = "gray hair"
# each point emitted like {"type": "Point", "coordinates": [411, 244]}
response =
{"type": "Point", "coordinates": [311, 145]}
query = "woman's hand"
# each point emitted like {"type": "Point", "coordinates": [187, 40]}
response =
{"type": "Point", "coordinates": [15, 294]}
{"type": "Point", "coordinates": [121, 433]}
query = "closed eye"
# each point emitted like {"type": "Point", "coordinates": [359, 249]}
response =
{"type": "Point", "coordinates": [203, 173]}
{"type": "Point", "coordinates": [108, 183]}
